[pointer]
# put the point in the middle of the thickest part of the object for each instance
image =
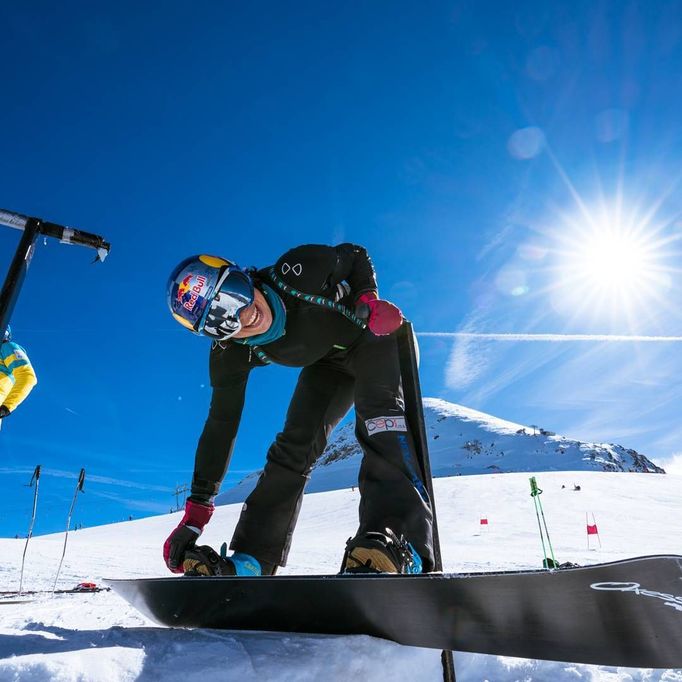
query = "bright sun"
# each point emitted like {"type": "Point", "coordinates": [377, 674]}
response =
{"type": "Point", "coordinates": [612, 261]}
{"type": "Point", "coordinates": [609, 264]}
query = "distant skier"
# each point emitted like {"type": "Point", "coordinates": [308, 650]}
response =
{"type": "Point", "coordinates": [17, 377]}
{"type": "Point", "coordinates": [285, 314]}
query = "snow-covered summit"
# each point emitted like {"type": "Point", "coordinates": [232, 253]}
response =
{"type": "Point", "coordinates": [466, 441]}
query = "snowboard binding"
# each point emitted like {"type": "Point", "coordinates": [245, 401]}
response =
{"type": "Point", "coordinates": [204, 560]}
{"type": "Point", "coordinates": [375, 552]}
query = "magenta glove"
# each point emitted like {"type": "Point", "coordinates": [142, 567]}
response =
{"type": "Point", "coordinates": [186, 534]}
{"type": "Point", "coordinates": [382, 317]}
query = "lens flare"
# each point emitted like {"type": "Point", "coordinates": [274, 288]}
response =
{"type": "Point", "coordinates": [610, 263]}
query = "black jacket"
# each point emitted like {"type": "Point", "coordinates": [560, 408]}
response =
{"type": "Point", "coordinates": [311, 333]}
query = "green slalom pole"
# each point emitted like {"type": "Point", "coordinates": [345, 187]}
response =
{"type": "Point", "coordinates": [549, 541]}
{"type": "Point", "coordinates": [537, 516]}
{"type": "Point", "coordinates": [535, 493]}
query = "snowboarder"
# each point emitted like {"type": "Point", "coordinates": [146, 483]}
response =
{"type": "Point", "coordinates": [17, 377]}
{"type": "Point", "coordinates": [301, 312]}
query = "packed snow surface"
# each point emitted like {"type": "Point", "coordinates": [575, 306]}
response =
{"type": "Point", "coordinates": [99, 637]}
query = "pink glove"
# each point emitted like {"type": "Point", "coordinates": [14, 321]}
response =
{"type": "Point", "coordinates": [185, 535]}
{"type": "Point", "coordinates": [382, 317]}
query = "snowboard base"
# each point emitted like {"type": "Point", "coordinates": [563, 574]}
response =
{"type": "Point", "coordinates": [624, 613]}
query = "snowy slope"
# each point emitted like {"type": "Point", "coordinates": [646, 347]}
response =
{"type": "Point", "coordinates": [465, 441]}
{"type": "Point", "coordinates": [99, 637]}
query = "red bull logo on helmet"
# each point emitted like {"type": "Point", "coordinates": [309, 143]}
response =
{"type": "Point", "coordinates": [188, 293]}
{"type": "Point", "coordinates": [183, 287]}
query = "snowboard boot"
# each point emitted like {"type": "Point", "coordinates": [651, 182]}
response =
{"type": "Point", "coordinates": [204, 560]}
{"type": "Point", "coordinates": [384, 552]}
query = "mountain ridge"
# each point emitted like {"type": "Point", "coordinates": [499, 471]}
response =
{"type": "Point", "coordinates": [464, 441]}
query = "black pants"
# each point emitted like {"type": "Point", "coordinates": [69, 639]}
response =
{"type": "Point", "coordinates": [392, 493]}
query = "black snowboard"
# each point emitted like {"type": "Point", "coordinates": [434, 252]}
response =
{"type": "Point", "coordinates": [625, 613]}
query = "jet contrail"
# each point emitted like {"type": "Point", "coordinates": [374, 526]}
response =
{"type": "Point", "coordinates": [552, 337]}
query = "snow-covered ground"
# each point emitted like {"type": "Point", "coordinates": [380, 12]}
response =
{"type": "Point", "coordinates": [99, 637]}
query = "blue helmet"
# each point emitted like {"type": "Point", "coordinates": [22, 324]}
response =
{"type": "Point", "coordinates": [205, 294]}
{"type": "Point", "coordinates": [8, 334]}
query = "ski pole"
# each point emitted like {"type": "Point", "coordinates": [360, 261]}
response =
{"type": "Point", "coordinates": [535, 493]}
{"type": "Point", "coordinates": [542, 538]}
{"type": "Point", "coordinates": [36, 478]}
{"type": "Point", "coordinates": [549, 541]}
{"type": "Point", "coordinates": [79, 487]}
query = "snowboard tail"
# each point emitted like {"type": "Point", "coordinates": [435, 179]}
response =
{"type": "Point", "coordinates": [625, 613]}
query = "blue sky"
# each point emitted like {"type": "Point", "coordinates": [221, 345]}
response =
{"type": "Point", "coordinates": [480, 151]}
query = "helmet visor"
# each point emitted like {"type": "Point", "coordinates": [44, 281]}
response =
{"type": "Point", "coordinates": [234, 292]}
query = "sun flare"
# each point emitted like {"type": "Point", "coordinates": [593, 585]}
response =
{"type": "Point", "coordinates": [613, 261]}
{"type": "Point", "coordinates": [610, 263]}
